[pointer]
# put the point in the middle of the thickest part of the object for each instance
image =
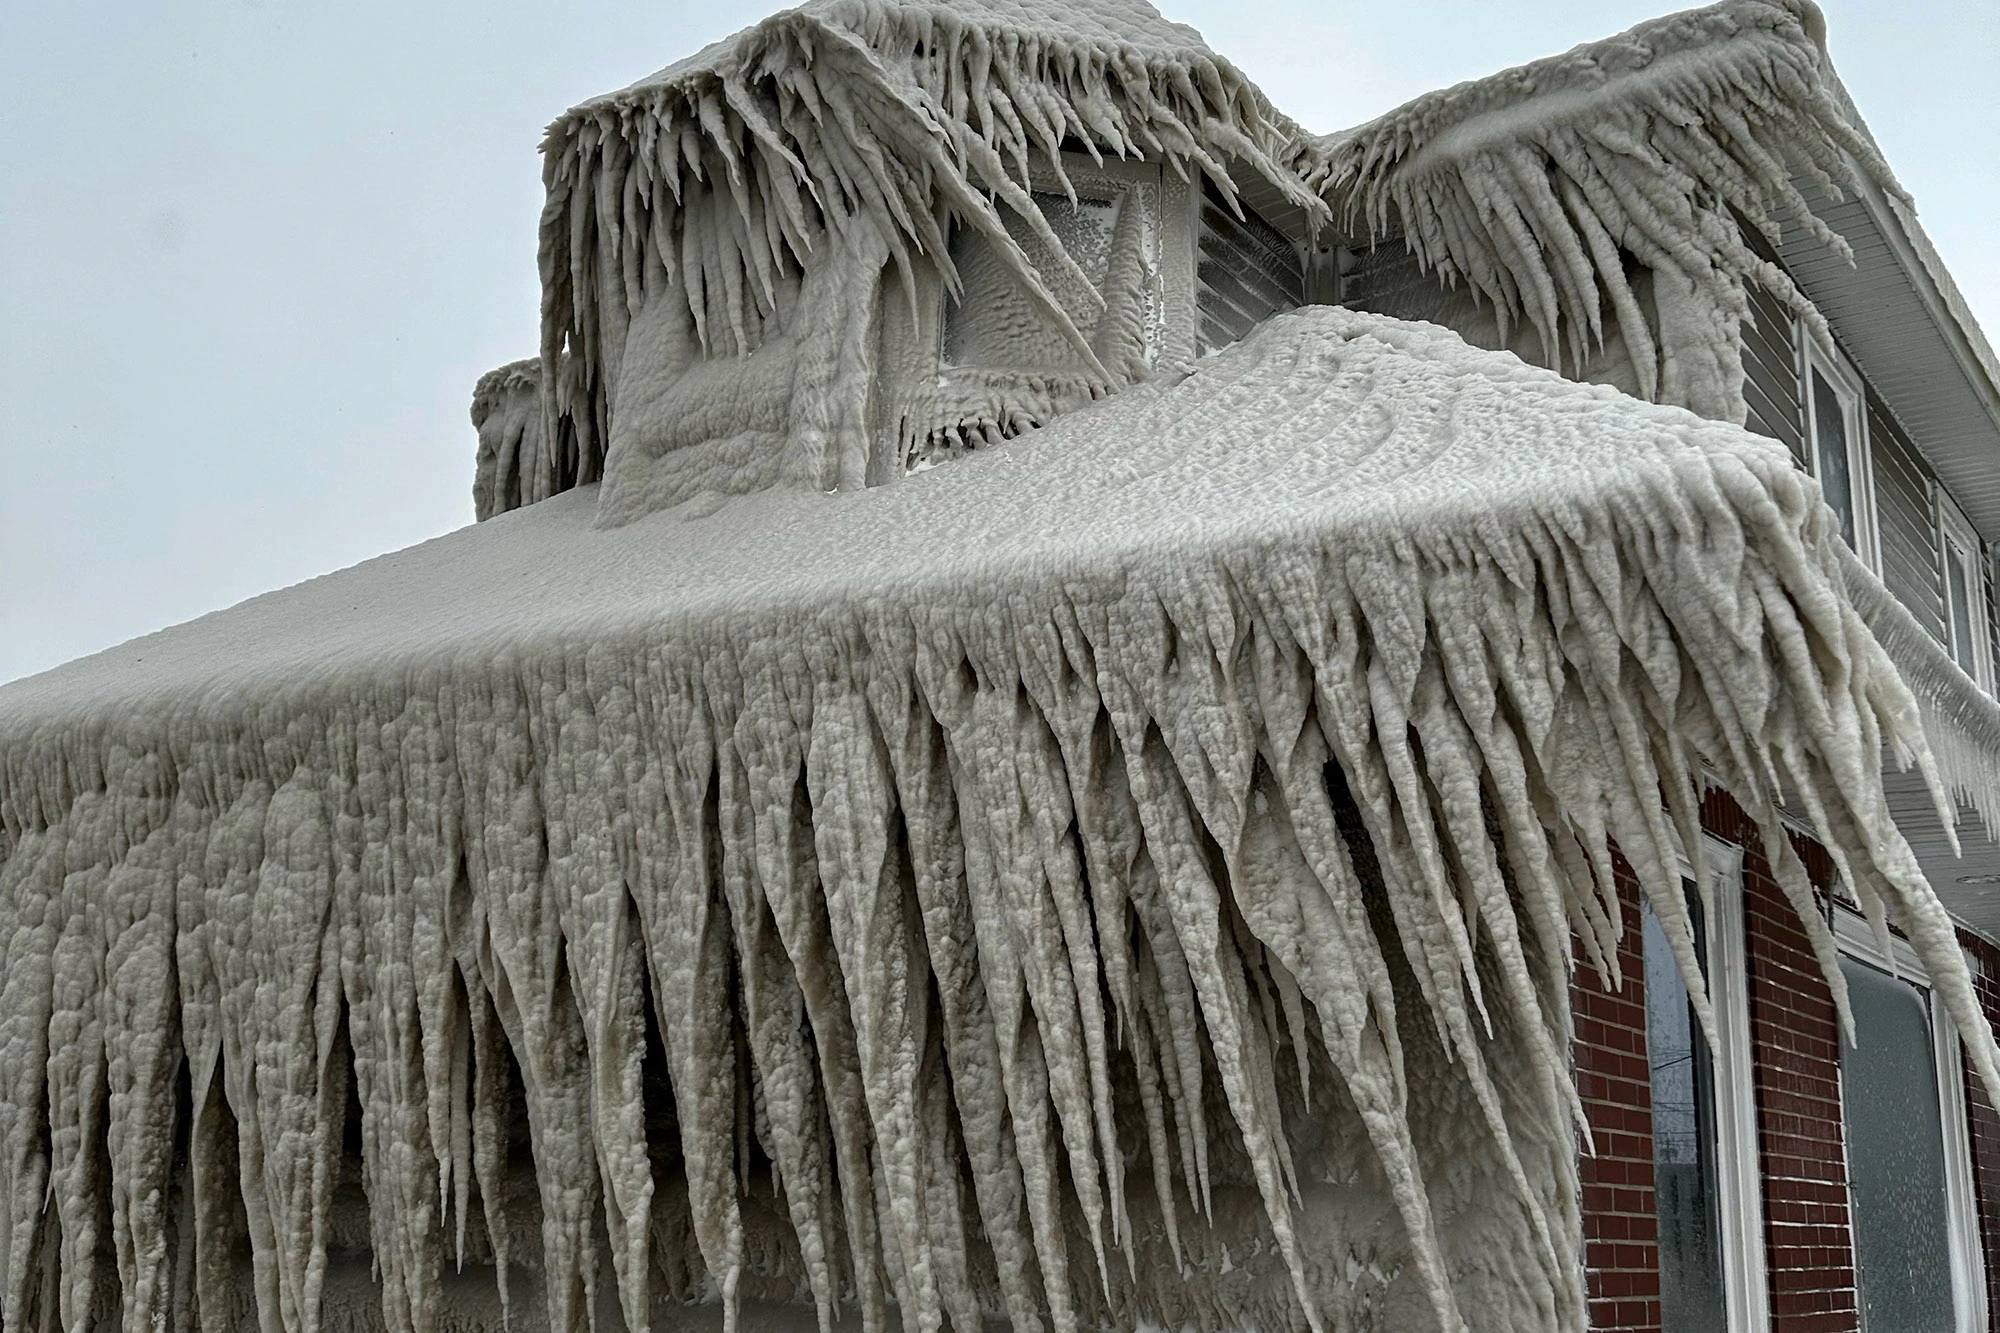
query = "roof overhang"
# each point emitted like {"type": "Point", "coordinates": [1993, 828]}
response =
{"type": "Point", "coordinates": [1897, 312]}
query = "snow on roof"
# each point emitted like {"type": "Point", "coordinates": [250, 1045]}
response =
{"type": "Point", "coordinates": [1511, 611]}
{"type": "Point", "coordinates": [1111, 25]}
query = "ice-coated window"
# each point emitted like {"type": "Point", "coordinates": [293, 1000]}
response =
{"type": "Point", "coordinates": [1833, 453]}
{"type": "Point", "coordinates": [1895, 1156]}
{"type": "Point", "coordinates": [995, 322]}
{"type": "Point", "coordinates": [1965, 614]}
{"type": "Point", "coordinates": [1684, 1142]}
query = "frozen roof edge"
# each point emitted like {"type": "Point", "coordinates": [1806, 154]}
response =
{"type": "Point", "coordinates": [542, 579]}
{"type": "Point", "coordinates": [1939, 290]}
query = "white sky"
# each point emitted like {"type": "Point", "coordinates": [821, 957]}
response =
{"type": "Point", "coordinates": [253, 255]}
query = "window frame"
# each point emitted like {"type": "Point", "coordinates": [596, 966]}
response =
{"type": "Point", "coordinates": [1953, 528]}
{"type": "Point", "coordinates": [1738, 1164]}
{"type": "Point", "coordinates": [1848, 386]}
{"type": "Point", "coordinates": [1151, 186]}
{"type": "Point", "coordinates": [1856, 939]}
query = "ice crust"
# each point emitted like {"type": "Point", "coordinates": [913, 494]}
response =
{"type": "Point", "coordinates": [1150, 846]}
{"type": "Point", "coordinates": [765, 201]}
{"type": "Point", "coordinates": [1544, 188]}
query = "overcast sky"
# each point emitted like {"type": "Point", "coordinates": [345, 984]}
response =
{"type": "Point", "coordinates": [253, 255]}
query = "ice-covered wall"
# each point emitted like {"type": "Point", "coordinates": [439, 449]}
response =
{"type": "Point", "coordinates": [1129, 876]}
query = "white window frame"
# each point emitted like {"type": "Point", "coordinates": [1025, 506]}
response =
{"type": "Point", "coordinates": [1738, 1167]}
{"type": "Point", "coordinates": [1852, 934]}
{"type": "Point", "coordinates": [1847, 386]}
{"type": "Point", "coordinates": [1954, 529]}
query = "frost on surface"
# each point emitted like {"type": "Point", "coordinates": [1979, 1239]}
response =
{"type": "Point", "coordinates": [744, 256]}
{"type": "Point", "coordinates": [1543, 189]}
{"type": "Point", "coordinates": [512, 467]}
{"type": "Point", "coordinates": [1128, 877]}
{"type": "Point", "coordinates": [763, 201]}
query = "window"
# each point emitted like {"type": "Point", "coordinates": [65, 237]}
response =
{"type": "Point", "coordinates": [1706, 1195]}
{"type": "Point", "coordinates": [1965, 617]}
{"type": "Point", "coordinates": [1110, 229]}
{"type": "Point", "coordinates": [1909, 1161]}
{"type": "Point", "coordinates": [1684, 1167]}
{"type": "Point", "coordinates": [1837, 436]}
{"type": "Point", "coordinates": [1111, 245]}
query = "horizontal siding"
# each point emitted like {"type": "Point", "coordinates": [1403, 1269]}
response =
{"type": "Point", "coordinates": [1905, 519]}
{"type": "Point", "coordinates": [1387, 280]}
{"type": "Point", "coordinates": [1245, 272]}
{"type": "Point", "coordinates": [1771, 373]}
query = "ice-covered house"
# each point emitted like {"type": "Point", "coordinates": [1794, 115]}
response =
{"type": "Point", "coordinates": [1017, 744]}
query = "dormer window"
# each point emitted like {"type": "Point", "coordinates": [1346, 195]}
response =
{"type": "Point", "coordinates": [1112, 231]}
{"type": "Point", "coordinates": [997, 363]}
{"type": "Point", "coordinates": [1837, 436]}
{"type": "Point", "coordinates": [994, 324]}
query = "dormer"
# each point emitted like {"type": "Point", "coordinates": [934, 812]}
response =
{"type": "Point", "coordinates": [859, 239]}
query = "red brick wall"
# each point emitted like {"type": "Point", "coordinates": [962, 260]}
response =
{"type": "Point", "coordinates": [1620, 1232]}
{"type": "Point", "coordinates": [1795, 1050]}
{"type": "Point", "coordinates": [1985, 1125]}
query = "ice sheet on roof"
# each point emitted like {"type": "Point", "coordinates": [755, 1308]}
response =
{"type": "Point", "coordinates": [1151, 848]}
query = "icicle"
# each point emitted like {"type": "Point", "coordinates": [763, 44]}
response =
{"type": "Point", "coordinates": [1530, 183]}
{"type": "Point", "coordinates": [951, 891]}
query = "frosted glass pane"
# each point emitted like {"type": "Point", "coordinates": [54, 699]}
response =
{"type": "Point", "coordinates": [1958, 601]}
{"type": "Point", "coordinates": [1836, 480]}
{"type": "Point", "coordinates": [994, 322]}
{"type": "Point", "coordinates": [1895, 1157]}
{"type": "Point", "coordinates": [1684, 1175]}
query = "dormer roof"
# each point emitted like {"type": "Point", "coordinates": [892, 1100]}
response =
{"type": "Point", "coordinates": [725, 170]}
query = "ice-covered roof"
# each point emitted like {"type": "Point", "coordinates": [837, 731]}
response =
{"type": "Point", "coordinates": [718, 747]}
{"type": "Point", "coordinates": [1332, 422]}
{"type": "Point", "coordinates": [1539, 187]}
{"type": "Point", "coordinates": [1532, 185]}
{"type": "Point", "coordinates": [1110, 25]}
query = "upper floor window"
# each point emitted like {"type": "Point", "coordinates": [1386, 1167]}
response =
{"type": "Point", "coordinates": [1965, 618]}
{"type": "Point", "coordinates": [1837, 440]}
{"type": "Point", "coordinates": [1108, 221]}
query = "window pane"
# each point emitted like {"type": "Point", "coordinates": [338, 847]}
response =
{"type": "Point", "coordinates": [1836, 480]}
{"type": "Point", "coordinates": [994, 322]}
{"type": "Point", "coordinates": [1895, 1156]}
{"type": "Point", "coordinates": [1958, 602]}
{"type": "Point", "coordinates": [1684, 1175]}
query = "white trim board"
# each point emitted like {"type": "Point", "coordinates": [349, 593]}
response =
{"type": "Point", "coordinates": [1738, 1163]}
